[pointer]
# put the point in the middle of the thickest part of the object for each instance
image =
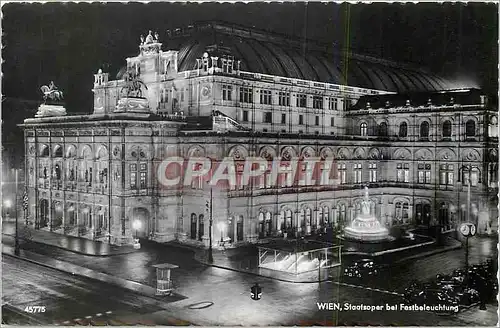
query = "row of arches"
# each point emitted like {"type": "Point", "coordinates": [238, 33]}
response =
{"type": "Point", "coordinates": [57, 215]}
{"type": "Point", "coordinates": [382, 129]}
{"type": "Point", "coordinates": [85, 151]}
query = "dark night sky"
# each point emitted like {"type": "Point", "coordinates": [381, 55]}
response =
{"type": "Point", "coordinates": [67, 43]}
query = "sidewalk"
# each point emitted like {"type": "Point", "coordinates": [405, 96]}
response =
{"type": "Point", "coordinates": [73, 244]}
{"type": "Point", "coordinates": [88, 273]}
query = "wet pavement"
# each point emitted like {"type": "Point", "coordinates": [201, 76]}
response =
{"type": "Point", "coordinates": [282, 302]}
{"type": "Point", "coordinates": [71, 243]}
{"type": "Point", "coordinates": [68, 299]}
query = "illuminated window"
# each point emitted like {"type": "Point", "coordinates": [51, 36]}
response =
{"type": "Point", "coordinates": [372, 167]}
{"type": "Point", "coordinates": [403, 172]}
{"type": "Point", "coordinates": [357, 173]}
{"type": "Point", "coordinates": [342, 173]}
{"type": "Point", "coordinates": [446, 174]}
{"type": "Point", "coordinates": [133, 176]}
{"type": "Point", "coordinates": [363, 129]}
{"type": "Point", "coordinates": [424, 173]}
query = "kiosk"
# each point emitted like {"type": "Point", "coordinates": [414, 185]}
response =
{"type": "Point", "coordinates": [164, 284]}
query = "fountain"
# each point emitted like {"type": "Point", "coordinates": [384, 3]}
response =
{"type": "Point", "coordinates": [366, 227]}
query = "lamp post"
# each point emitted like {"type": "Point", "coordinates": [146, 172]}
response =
{"type": "Point", "coordinates": [16, 247]}
{"type": "Point", "coordinates": [210, 254]}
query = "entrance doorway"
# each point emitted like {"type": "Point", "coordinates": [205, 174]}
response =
{"type": "Point", "coordinates": [44, 214]}
{"type": "Point", "coordinates": [140, 222]}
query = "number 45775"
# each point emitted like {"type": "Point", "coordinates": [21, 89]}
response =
{"type": "Point", "coordinates": [34, 309]}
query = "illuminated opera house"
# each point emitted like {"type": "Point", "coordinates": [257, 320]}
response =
{"type": "Point", "coordinates": [221, 90]}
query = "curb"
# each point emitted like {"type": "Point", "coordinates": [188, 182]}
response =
{"type": "Point", "coordinates": [67, 249]}
{"type": "Point", "coordinates": [82, 275]}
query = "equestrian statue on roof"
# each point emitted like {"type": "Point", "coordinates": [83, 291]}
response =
{"type": "Point", "coordinates": [133, 85]}
{"type": "Point", "coordinates": [51, 92]}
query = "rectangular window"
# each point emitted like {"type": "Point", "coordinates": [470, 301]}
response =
{"type": "Point", "coordinates": [246, 95]}
{"type": "Point", "coordinates": [332, 104]}
{"type": "Point", "coordinates": [403, 172]}
{"type": "Point", "coordinates": [182, 95]}
{"type": "Point", "coordinates": [373, 172]}
{"type": "Point", "coordinates": [284, 98]}
{"type": "Point", "coordinates": [446, 174]}
{"type": "Point", "coordinates": [424, 173]}
{"type": "Point", "coordinates": [143, 173]}
{"type": "Point", "coordinates": [318, 102]}
{"type": "Point", "coordinates": [301, 119]}
{"type": "Point", "coordinates": [342, 173]}
{"type": "Point", "coordinates": [268, 117]}
{"type": "Point", "coordinates": [283, 118]}
{"type": "Point", "coordinates": [245, 116]}
{"type": "Point", "coordinates": [332, 121]}
{"type": "Point", "coordinates": [357, 173]}
{"type": "Point", "coordinates": [133, 176]}
{"type": "Point", "coordinates": [301, 100]}
{"type": "Point", "coordinates": [316, 120]}
{"type": "Point", "coordinates": [265, 97]}
{"type": "Point", "coordinates": [227, 91]}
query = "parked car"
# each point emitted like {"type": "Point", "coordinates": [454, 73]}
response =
{"type": "Point", "coordinates": [363, 268]}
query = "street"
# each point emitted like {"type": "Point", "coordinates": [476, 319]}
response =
{"type": "Point", "coordinates": [68, 298]}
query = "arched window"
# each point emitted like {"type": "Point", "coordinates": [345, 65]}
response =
{"type": "Point", "coordinates": [44, 151]}
{"type": "Point", "coordinates": [363, 129]}
{"type": "Point", "coordinates": [58, 151]}
{"type": "Point", "coordinates": [446, 129]}
{"type": "Point", "coordinates": [403, 130]}
{"type": "Point", "coordinates": [470, 128]}
{"type": "Point", "coordinates": [382, 129]}
{"type": "Point", "coordinates": [424, 130]}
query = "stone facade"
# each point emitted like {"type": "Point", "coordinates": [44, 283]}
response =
{"type": "Point", "coordinates": [95, 175]}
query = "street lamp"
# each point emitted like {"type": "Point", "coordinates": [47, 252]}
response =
{"type": "Point", "coordinates": [221, 226]}
{"type": "Point", "coordinates": [7, 203]}
{"type": "Point", "coordinates": [136, 225]}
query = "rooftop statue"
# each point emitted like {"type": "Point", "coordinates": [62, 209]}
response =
{"type": "Point", "coordinates": [51, 92]}
{"type": "Point", "coordinates": [133, 85]}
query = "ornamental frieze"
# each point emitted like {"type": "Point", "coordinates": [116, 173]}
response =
{"type": "Point", "coordinates": [116, 133]}
{"type": "Point", "coordinates": [85, 133]}
{"type": "Point", "coordinates": [70, 133]}
{"type": "Point", "coordinates": [43, 133]}
{"type": "Point", "coordinates": [100, 132]}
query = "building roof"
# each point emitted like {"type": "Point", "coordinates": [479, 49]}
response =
{"type": "Point", "coordinates": [280, 55]}
{"type": "Point", "coordinates": [462, 97]}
